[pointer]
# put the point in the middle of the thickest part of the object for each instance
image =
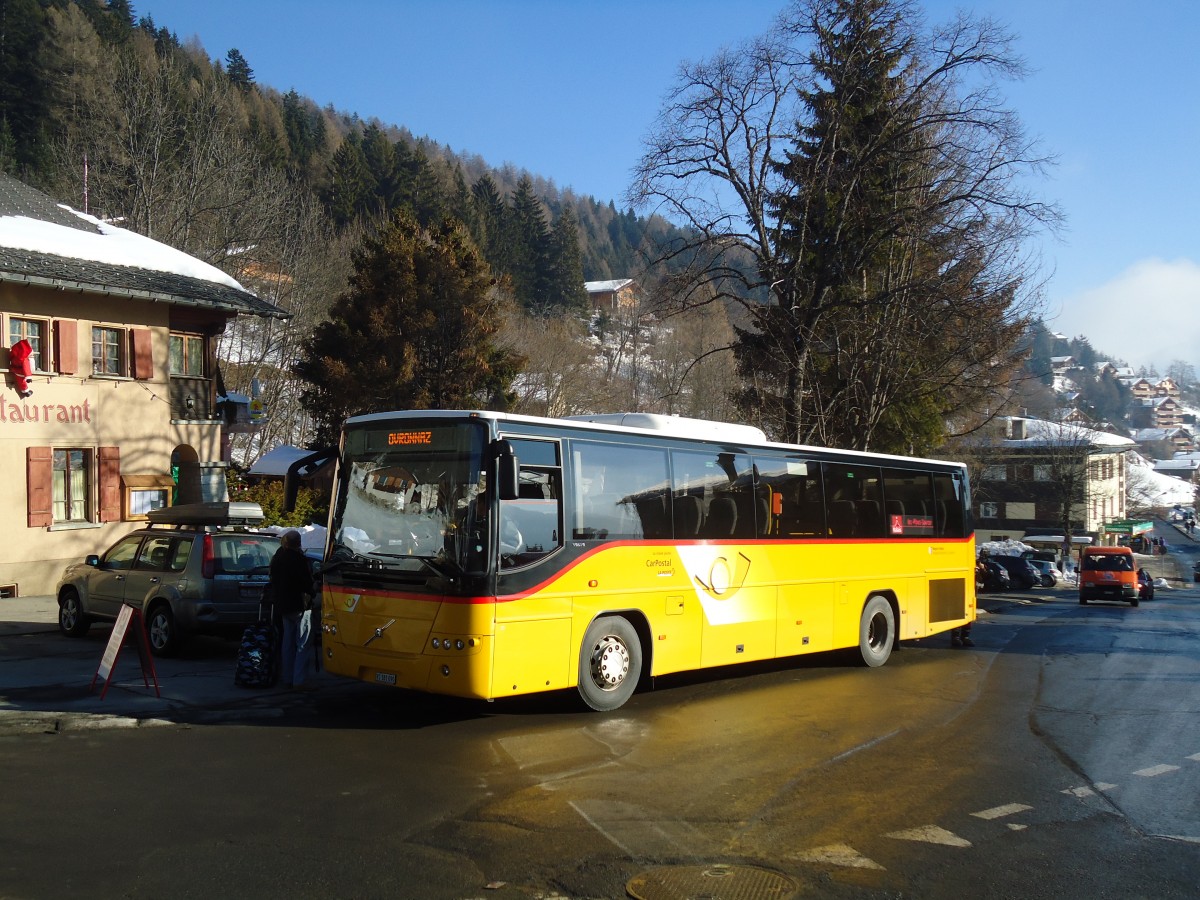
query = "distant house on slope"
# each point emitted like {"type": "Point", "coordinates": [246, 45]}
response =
{"type": "Point", "coordinates": [1176, 440]}
{"type": "Point", "coordinates": [613, 295]}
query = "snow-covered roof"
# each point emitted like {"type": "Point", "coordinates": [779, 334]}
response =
{"type": "Point", "coordinates": [1145, 435]}
{"type": "Point", "coordinates": [614, 284]}
{"type": "Point", "coordinates": [275, 462]}
{"type": "Point", "coordinates": [1176, 465]}
{"type": "Point", "coordinates": [47, 243]}
{"type": "Point", "coordinates": [1040, 433]}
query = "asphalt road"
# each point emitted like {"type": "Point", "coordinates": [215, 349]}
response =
{"type": "Point", "coordinates": [1060, 757]}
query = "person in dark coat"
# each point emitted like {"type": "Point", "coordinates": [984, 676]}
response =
{"type": "Point", "coordinates": [292, 593]}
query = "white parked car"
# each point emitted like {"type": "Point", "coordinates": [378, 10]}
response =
{"type": "Point", "coordinates": [1051, 577]}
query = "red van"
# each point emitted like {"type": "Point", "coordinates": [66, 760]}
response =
{"type": "Point", "coordinates": [1107, 573]}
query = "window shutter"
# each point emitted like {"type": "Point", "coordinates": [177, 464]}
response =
{"type": "Point", "coordinates": [143, 359]}
{"type": "Point", "coordinates": [110, 483]}
{"type": "Point", "coordinates": [66, 346]}
{"type": "Point", "coordinates": [39, 485]}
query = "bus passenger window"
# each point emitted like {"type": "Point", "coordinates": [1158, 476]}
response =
{"type": "Point", "coordinates": [619, 492]}
{"type": "Point", "coordinates": [790, 494]}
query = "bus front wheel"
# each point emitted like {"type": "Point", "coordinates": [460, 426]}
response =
{"type": "Point", "coordinates": [876, 631]}
{"type": "Point", "coordinates": [610, 663]}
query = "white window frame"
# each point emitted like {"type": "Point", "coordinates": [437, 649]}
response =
{"type": "Point", "coordinates": [41, 353]}
{"type": "Point", "coordinates": [123, 346]}
{"type": "Point", "coordinates": [64, 499]}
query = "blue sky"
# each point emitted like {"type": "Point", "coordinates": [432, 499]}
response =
{"type": "Point", "coordinates": [568, 88]}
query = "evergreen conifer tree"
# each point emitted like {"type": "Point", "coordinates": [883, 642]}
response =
{"type": "Point", "coordinates": [531, 245]}
{"type": "Point", "coordinates": [239, 71]}
{"type": "Point", "coordinates": [414, 330]}
{"type": "Point", "coordinates": [565, 267]}
{"type": "Point", "coordinates": [379, 154]}
{"type": "Point", "coordinates": [350, 188]}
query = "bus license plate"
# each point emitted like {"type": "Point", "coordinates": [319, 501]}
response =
{"type": "Point", "coordinates": [385, 678]}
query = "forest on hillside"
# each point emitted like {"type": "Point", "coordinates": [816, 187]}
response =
{"type": "Point", "coordinates": [114, 116]}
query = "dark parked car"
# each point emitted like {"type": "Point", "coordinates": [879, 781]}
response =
{"type": "Point", "coordinates": [991, 577]}
{"type": "Point", "coordinates": [1145, 585]}
{"type": "Point", "coordinates": [1020, 572]}
{"type": "Point", "coordinates": [195, 568]}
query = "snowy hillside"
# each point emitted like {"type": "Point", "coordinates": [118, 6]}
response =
{"type": "Point", "coordinates": [1149, 489]}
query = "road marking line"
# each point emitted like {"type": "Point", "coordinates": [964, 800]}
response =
{"type": "Point", "coordinates": [1079, 792]}
{"type": "Point", "coordinates": [999, 812]}
{"type": "Point", "coordinates": [1105, 786]}
{"type": "Point", "coordinates": [930, 834]}
{"type": "Point", "coordinates": [1195, 756]}
{"type": "Point", "coordinates": [1155, 770]}
{"type": "Point", "coordinates": [839, 855]}
{"type": "Point", "coordinates": [1015, 827]}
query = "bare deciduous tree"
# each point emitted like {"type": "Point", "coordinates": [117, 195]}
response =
{"type": "Point", "coordinates": [872, 226]}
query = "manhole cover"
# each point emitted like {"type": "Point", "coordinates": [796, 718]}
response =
{"type": "Point", "coordinates": [710, 883]}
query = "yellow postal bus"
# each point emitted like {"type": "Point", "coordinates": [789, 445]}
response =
{"type": "Point", "coordinates": [486, 555]}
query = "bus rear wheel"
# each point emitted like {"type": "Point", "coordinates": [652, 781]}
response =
{"type": "Point", "coordinates": [876, 631]}
{"type": "Point", "coordinates": [610, 663]}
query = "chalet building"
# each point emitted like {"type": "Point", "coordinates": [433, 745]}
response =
{"type": "Point", "coordinates": [1060, 365]}
{"type": "Point", "coordinates": [110, 403]}
{"type": "Point", "coordinates": [1185, 468]}
{"type": "Point", "coordinates": [1157, 412]}
{"type": "Point", "coordinates": [1143, 388]}
{"type": "Point", "coordinates": [1176, 440]}
{"type": "Point", "coordinates": [1140, 388]}
{"type": "Point", "coordinates": [1019, 470]}
{"type": "Point", "coordinates": [613, 295]}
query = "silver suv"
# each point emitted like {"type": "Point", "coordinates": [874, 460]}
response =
{"type": "Point", "coordinates": [197, 568]}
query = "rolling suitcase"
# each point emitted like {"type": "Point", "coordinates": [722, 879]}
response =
{"type": "Point", "coordinates": [258, 653]}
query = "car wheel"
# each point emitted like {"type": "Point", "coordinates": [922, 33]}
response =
{"type": "Point", "coordinates": [71, 619]}
{"type": "Point", "coordinates": [876, 631]}
{"type": "Point", "coordinates": [610, 663]}
{"type": "Point", "coordinates": [1134, 602]}
{"type": "Point", "coordinates": [1082, 600]}
{"type": "Point", "coordinates": [160, 628]}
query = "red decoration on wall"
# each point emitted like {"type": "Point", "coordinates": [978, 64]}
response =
{"type": "Point", "coordinates": [20, 366]}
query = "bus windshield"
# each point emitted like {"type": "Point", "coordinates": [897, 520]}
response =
{"type": "Point", "coordinates": [409, 496]}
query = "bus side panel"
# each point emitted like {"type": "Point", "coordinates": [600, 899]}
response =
{"type": "Point", "coordinates": [675, 632]}
{"type": "Point", "coordinates": [805, 618]}
{"type": "Point", "coordinates": [533, 643]}
{"type": "Point", "coordinates": [739, 625]}
{"type": "Point", "coordinates": [914, 609]}
{"type": "Point", "coordinates": [532, 655]}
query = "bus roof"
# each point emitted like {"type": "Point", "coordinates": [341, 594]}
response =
{"type": "Point", "coordinates": [644, 424]}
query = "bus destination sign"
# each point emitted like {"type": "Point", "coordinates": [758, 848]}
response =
{"type": "Point", "coordinates": [395, 438]}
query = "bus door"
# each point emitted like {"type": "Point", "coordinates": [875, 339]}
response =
{"type": "Point", "coordinates": [533, 613]}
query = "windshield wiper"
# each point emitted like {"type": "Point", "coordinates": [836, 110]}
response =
{"type": "Point", "coordinates": [343, 555]}
{"type": "Point", "coordinates": [435, 563]}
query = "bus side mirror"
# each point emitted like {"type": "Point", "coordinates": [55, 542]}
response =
{"type": "Point", "coordinates": [291, 480]}
{"type": "Point", "coordinates": [508, 469]}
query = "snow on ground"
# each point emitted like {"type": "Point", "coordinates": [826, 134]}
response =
{"type": "Point", "coordinates": [1150, 489]}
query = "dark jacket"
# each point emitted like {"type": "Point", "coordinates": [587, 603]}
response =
{"type": "Point", "coordinates": [291, 579]}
